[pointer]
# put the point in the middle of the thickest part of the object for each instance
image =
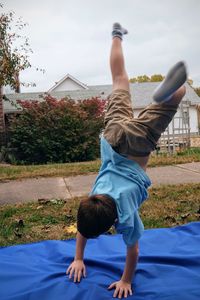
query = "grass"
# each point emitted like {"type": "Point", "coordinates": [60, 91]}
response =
{"type": "Point", "coordinates": [56, 219]}
{"type": "Point", "coordinates": [187, 156]}
{"type": "Point", "coordinates": [10, 172]}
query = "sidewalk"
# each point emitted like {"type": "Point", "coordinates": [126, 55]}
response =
{"type": "Point", "coordinates": [65, 188]}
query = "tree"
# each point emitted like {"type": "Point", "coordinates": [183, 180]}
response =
{"type": "Point", "coordinates": [190, 81]}
{"type": "Point", "coordinates": [13, 58]}
{"type": "Point", "coordinates": [133, 80]}
{"type": "Point", "coordinates": [197, 90]}
{"type": "Point", "coordinates": [145, 78]}
{"type": "Point", "coordinates": [157, 78]}
{"type": "Point", "coordinates": [140, 79]}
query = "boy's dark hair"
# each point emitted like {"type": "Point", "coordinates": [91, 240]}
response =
{"type": "Point", "coordinates": [96, 214]}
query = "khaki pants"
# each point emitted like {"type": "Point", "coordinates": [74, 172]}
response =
{"type": "Point", "coordinates": [135, 136]}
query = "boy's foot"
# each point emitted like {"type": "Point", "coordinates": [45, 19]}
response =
{"type": "Point", "coordinates": [174, 79]}
{"type": "Point", "coordinates": [118, 31]}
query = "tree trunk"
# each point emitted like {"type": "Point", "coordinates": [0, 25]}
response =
{"type": "Point", "coordinates": [17, 85]}
{"type": "Point", "coordinates": [2, 119]}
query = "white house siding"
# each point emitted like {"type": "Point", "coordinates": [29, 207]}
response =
{"type": "Point", "coordinates": [194, 119]}
{"type": "Point", "coordinates": [68, 85]}
{"type": "Point", "coordinates": [182, 123]}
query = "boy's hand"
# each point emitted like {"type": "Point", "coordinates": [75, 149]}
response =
{"type": "Point", "coordinates": [77, 268]}
{"type": "Point", "coordinates": [122, 289]}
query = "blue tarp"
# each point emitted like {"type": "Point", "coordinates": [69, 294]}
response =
{"type": "Point", "coordinates": [168, 268]}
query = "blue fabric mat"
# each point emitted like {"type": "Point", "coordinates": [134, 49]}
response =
{"type": "Point", "coordinates": [168, 268]}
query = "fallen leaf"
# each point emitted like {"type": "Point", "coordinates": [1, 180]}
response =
{"type": "Point", "coordinates": [39, 207]}
{"type": "Point", "coordinates": [185, 216]}
{"type": "Point", "coordinates": [70, 229]}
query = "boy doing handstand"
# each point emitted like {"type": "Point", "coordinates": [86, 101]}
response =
{"type": "Point", "coordinates": [122, 183]}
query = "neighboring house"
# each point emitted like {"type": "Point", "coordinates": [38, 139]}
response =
{"type": "Point", "coordinates": [141, 96]}
{"type": "Point", "coordinates": [68, 83]}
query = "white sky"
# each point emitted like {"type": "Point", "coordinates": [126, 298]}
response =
{"type": "Point", "coordinates": [74, 36]}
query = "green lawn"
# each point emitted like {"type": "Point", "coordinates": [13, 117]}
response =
{"type": "Point", "coordinates": [56, 219]}
{"type": "Point", "coordinates": [10, 172]}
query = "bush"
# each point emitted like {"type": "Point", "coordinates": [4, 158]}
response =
{"type": "Point", "coordinates": [57, 130]}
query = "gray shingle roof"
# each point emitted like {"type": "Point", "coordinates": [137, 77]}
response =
{"type": "Point", "coordinates": [141, 95]}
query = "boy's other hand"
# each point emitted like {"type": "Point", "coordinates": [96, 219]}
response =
{"type": "Point", "coordinates": [122, 289]}
{"type": "Point", "coordinates": [77, 268]}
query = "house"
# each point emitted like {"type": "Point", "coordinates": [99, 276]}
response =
{"type": "Point", "coordinates": [187, 118]}
{"type": "Point", "coordinates": [68, 83]}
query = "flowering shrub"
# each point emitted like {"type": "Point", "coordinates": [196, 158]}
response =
{"type": "Point", "coordinates": [57, 130]}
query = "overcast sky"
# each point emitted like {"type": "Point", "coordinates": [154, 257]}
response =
{"type": "Point", "coordinates": [74, 36]}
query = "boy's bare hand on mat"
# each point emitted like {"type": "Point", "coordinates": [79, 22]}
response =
{"type": "Point", "coordinates": [122, 289]}
{"type": "Point", "coordinates": [77, 268]}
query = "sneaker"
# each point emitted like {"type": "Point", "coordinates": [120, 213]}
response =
{"type": "Point", "coordinates": [174, 79]}
{"type": "Point", "coordinates": [118, 30]}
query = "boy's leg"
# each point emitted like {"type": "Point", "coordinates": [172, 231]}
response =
{"type": "Point", "coordinates": [119, 76]}
{"type": "Point", "coordinates": [119, 106]}
{"type": "Point", "coordinates": [141, 134]}
{"type": "Point", "coordinates": [134, 138]}
{"type": "Point", "coordinates": [177, 96]}
{"type": "Point", "coordinates": [145, 130]}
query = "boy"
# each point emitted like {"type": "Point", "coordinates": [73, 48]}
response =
{"type": "Point", "coordinates": [121, 185]}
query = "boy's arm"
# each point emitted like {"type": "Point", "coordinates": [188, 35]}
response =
{"type": "Point", "coordinates": [123, 286]}
{"type": "Point", "coordinates": [131, 262]}
{"type": "Point", "coordinates": [80, 246]}
{"type": "Point", "coordinates": [77, 267]}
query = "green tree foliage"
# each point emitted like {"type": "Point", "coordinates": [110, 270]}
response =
{"type": "Point", "coordinates": [57, 131]}
{"type": "Point", "coordinates": [14, 49]}
{"type": "Point", "coordinates": [157, 78]}
{"type": "Point", "coordinates": [140, 79]}
{"type": "Point", "coordinates": [196, 89]}
{"type": "Point", "coordinates": [145, 78]}
{"type": "Point", "coordinates": [133, 80]}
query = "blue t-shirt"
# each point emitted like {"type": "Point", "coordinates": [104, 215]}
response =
{"type": "Point", "coordinates": [126, 182]}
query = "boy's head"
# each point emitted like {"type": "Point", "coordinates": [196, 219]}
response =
{"type": "Point", "coordinates": [96, 214]}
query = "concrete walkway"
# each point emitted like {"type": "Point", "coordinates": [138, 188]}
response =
{"type": "Point", "coordinates": [65, 188]}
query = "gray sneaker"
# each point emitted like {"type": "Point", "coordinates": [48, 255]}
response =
{"type": "Point", "coordinates": [174, 79]}
{"type": "Point", "coordinates": [118, 30]}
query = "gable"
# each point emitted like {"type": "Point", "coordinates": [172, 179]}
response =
{"type": "Point", "coordinates": [68, 83]}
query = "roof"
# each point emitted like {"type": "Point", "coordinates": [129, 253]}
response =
{"type": "Point", "coordinates": [66, 77]}
{"type": "Point", "coordinates": [141, 95]}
